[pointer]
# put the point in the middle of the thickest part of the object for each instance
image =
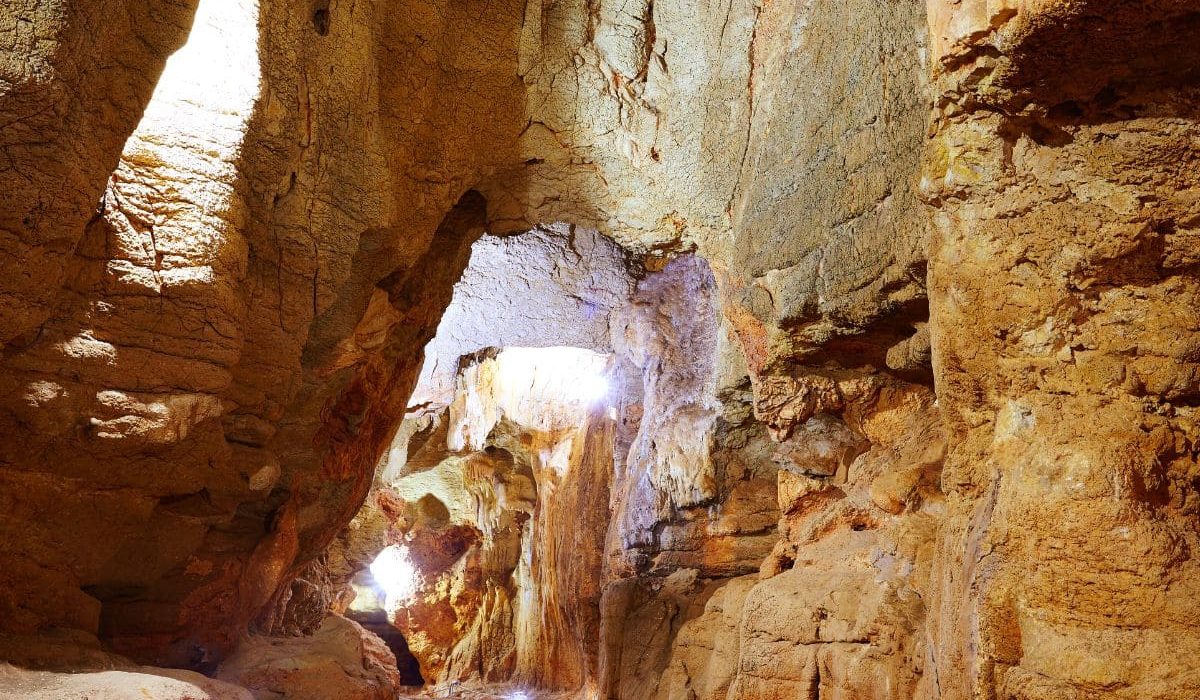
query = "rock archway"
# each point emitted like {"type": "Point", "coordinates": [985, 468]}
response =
{"type": "Point", "coordinates": [891, 306]}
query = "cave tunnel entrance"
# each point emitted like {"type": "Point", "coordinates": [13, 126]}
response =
{"type": "Point", "coordinates": [484, 550]}
{"type": "Point", "coordinates": [369, 610]}
{"type": "Point", "coordinates": [390, 575]}
{"type": "Point", "coordinates": [566, 388]}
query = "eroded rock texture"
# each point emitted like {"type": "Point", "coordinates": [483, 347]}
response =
{"type": "Point", "coordinates": [1063, 282]}
{"type": "Point", "coordinates": [189, 395]}
{"type": "Point", "coordinates": [76, 77]}
{"type": "Point", "coordinates": [339, 660]}
{"type": "Point", "coordinates": [889, 305]}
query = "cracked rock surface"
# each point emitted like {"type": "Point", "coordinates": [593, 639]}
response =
{"type": "Point", "coordinates": [891, 307]}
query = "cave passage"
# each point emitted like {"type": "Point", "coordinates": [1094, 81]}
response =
{"type": "Point", "coordinates": [605, 350]}
{"type": "Point", "coordinates": [376, 622]}
{"type": "Point", "coordinates": [486, 564]}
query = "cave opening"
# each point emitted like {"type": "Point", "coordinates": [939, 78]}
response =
{"type": "Point", "coordinates": [568, 384]}
{"type": "Point", "coordinates": [390, 577]}
{"type": "Point", "coordinates": [481, 552]}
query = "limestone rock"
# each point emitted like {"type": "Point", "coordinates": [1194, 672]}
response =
{"type": "Point", "coordinates": [705, 655]}
{"type": "Point", "coordinates": [1064, 372]}
{"type": "Point", "coordinates": [133, 684]}
{"type": "Point", "coordinates": [214, 326]}
{"type": "Point", "coordinates": [340, 660]}
{"type": "Point", "coordinates": [891, 306]}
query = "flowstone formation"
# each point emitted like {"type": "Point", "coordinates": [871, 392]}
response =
{"type": "Point", "coordinates": [735, 350]}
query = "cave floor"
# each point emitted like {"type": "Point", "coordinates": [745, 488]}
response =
{"type": "Point", "coordinates": [491, 693]}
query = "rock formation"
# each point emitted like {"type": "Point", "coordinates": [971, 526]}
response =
{"type": "Point", "coordinates": [734, 350]}
{"type": "Point", "coordinates": [1060, 271]}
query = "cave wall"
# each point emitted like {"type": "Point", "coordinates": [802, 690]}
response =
{"type": "Point", "coordinates": [71, 98]}
{"type": "Point", "coordinates": [198, 397]}
{"type": "Point", "coordinates": [72, 95]}
{"type": "Point", "coordinates": [827, 402]}
{"type": "Point", "coordinates": [982, 481]}
{"type": "Point", "coordinates": [1062, 173]}
{"type": "Point", "coordinates": [263, 411]}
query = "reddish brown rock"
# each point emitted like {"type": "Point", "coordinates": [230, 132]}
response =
{"type": "Point", "coordinates": [136, 683]}
{"type": "Point", "coordinates": [1059, 282]}
{"type": "Point", "coordinates": [340, 660]}
{"type": "Point", "coordinates": [813, 472]}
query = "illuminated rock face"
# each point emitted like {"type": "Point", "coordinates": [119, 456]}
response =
{"type": "Point", "coordinates": [556, 286]}
{"type": "Point", "coordinates": [893, 304]}
{"type": "Point", "coordinates": [507, 530]}
{"type": "Point", "coordinates": [1063, 277]}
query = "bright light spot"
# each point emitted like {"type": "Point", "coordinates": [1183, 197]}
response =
{"type": "Point", "coordinates": [543, 389]}
{"type": "Point", "coordinates": [573, 375]}
{"type": "Point", "coordinates": [592, 387]}
{"type": "Point", "coordinates": [209, 86]}
{"type": "Point", "coordinates": [183, 162]}
{"type": "Point", "coordinates": [519, 695]}
{"type": "Point", "coordinates": [394, 573]}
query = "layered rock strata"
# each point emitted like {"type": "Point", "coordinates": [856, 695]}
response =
{"type": "Point", "coordinates": [1062, 171]}
{"type": "Point", "coordinates": [826, 474]}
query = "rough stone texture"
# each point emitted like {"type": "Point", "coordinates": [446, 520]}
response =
{"type": "Point", "coordinates": [153, 394]}
{"type": "Point", "coordinates": [823, 264]}
{"type": "Point", "coordinates": [207, 362]}
{"type": "Point", "coordinates": [704, 657]}
{"type": "Point", "coordinates": [1063, 281]}
{"type": "Point", "coordinates": [74, 79]}
{"type": "Point", "coordinates": [694, 497]}
{"type": "Point", "coordinates": [825, 258]}
{"type": "Point", "coordinates": [340, 661]}
{"type": "Point", "coordinates": [840, 609]}
{"type": "Point", "coordinates": [133, 684]}
{"type": "Point", "coordinates": [822, 479]}
{"type": "Point", "coordinates": [837, 608]}
{"type": "Point", "coordinates": [543, 288]}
